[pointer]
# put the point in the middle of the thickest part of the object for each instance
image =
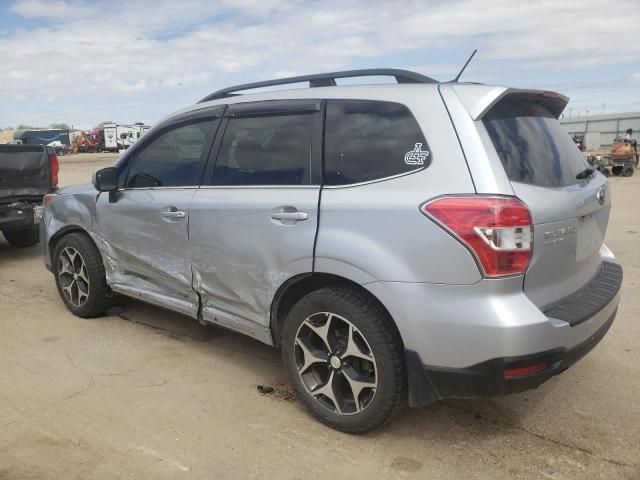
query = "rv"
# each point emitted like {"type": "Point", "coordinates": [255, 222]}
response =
{"type": "Point", "coordinates": [120, 137]}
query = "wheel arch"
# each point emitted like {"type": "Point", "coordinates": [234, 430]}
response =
{"type": "Point", "coordinates": [298, 286]}
{"type": "Point", "coordinates": [64, 231]}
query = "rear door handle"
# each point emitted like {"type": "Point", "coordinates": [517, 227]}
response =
{"type": "Point", "coordinates": [289, 215]}
{"type": "Point", "coordinates": [173, 213]}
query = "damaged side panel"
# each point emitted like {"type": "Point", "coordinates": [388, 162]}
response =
{"type": "Point", "coordinates": [146, 254]}
{"type": "Point", "coordinates": [241, 255]}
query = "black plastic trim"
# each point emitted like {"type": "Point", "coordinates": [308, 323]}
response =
{"type": "Point", "coordinates": [591, 298]}
{"type": "Point", "coordinates": [273, 107]}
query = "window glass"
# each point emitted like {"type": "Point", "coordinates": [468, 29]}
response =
{"type": "Point", "coordinates": [532, 145]}
{"type": "Point", "coordinates": [368, 140]}
{"type": "Point", "coordinates": [173, 159]}
{"type": "Point", "coordinates": [266, 150]}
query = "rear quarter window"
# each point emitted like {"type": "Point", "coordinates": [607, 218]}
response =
{"type": "Point", "coordinates": [532, 145]}
{"type": "Point", "coordinates": [370, 140]}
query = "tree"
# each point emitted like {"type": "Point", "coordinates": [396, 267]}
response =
{"type": "Point", "coordinates": [59, 126]}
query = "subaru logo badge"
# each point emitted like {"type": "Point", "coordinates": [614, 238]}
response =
{"type": "Point", "coordinates": [601, 195]}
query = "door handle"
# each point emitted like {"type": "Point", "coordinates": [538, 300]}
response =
{"type": "Point", "coordinates": [173, 214]}
{"type": "Point", "coordinates": [289, 215]}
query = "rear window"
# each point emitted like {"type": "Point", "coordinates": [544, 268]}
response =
{"type": "Point", "coordinates": [369, 140]}
{"type": "Point", "coordinates": [532, 145]}
{"type": "Point", "coordinates": [266, 150]}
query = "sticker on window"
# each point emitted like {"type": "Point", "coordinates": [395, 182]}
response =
{"type": "Point", "coordinates": [416, 156]}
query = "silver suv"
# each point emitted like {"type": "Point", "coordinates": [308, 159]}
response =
{"type": "Point", "coordinates": [399, 243]}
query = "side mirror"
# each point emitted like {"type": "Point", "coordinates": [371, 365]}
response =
{"type": "Point", "coordinates": [106, 179]}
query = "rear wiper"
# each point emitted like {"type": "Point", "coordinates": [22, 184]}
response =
{"type": "Point", "coordinates": [586, 173]}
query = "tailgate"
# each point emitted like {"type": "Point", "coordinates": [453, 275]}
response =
{"type": "Point", "coordinates": [568, 231]}
{"type": "Point", "coordinates": [570, 214]}
{"type": "Point", "coordinates": [24, 172]}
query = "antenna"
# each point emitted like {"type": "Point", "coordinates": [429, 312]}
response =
{"type": "Point", "coordinates": [463, 68]}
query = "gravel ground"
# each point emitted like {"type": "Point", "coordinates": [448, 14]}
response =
{"type": "Point", "coordinates": [145, 393]}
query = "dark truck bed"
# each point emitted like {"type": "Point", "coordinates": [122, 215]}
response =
{"type": "Point", "coordinates": [27, 173]}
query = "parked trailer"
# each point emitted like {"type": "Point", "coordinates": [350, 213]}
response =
{"type": "Point", "coordinates": [119, 137]}
{"type": "Point", "coordinates": [41, 137]}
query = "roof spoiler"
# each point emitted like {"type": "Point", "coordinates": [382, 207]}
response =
{"type": "Point", "coordinates": [479, 99]}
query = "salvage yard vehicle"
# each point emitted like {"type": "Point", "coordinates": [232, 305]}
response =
{"type": "Point", "coordinates": [27, 173]}
{"type": "Point", "coordinates": [398, 243]}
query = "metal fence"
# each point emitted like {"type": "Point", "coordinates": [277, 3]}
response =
{"type": "Point", "coordinates": [601, 130]}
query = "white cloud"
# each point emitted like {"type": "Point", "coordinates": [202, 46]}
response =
{"type": "Point", "coordinates": [124, 49]}
{"type": "Point", "coordinates": [49, 9]}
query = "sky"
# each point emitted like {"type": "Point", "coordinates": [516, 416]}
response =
{"type": "Point", "coordinates": [81, 62]}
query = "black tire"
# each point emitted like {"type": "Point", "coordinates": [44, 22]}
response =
{"type": "Point", "coordinates": [628, 171]}
{"type": "Point", "coordinates": [616, 171]}
{"type": "Point", "coordinates": [376, 327]}
{"type": "Point", "coordinates": [99, 298]}
{"type": "Point", "coordinates": [22, 238]}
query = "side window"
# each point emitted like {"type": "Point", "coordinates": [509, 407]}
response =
{"type": "Point", "coordinates": [266, 150]}
{"type": "Point", "coordinates": [173, 159]}
{"type": "Point", "coordinates": [368, 140]}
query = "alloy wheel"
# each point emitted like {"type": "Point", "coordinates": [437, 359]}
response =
{"type": "Point", "coordinates": [73, 276]}
{"type": "Point", "coordinates": [335, 363]}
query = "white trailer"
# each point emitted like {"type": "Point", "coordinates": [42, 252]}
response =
{"type": "Point", "coordinates": [120, 137]}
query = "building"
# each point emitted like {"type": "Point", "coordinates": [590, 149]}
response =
{"type": "Point", "coordinates": [600, 130]}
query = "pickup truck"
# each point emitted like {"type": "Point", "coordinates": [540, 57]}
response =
{"type": "Point", "coordinates": [27, 173]}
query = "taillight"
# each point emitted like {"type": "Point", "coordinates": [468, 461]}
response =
{"type": "Point", "coordinates": [54, 168]}
{"type": "Point", "coordinates": [497, 230]}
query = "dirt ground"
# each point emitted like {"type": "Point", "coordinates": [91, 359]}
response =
{"type": "Point", "coordinates": [145, 393]}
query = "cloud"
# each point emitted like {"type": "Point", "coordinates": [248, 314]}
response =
{"type": "Point", "coordinates": [169, 49]}
{"type": "Point", "coordinates": [50, 9]}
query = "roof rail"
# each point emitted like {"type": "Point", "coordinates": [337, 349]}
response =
{"type": "Point", "coordinates": [324, 80]}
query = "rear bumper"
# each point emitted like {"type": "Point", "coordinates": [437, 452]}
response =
{"type": "Point", "coordinates": [19, 216]}
{"type": "Point", "coordinates": [486, 379]}
{"type": "Point", "coordinates": [460, 338]}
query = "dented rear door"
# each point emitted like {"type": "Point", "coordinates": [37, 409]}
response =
{"type": "Point", "coordinates": [253, 226]}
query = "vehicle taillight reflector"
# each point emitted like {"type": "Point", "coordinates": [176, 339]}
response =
{"type": "Point", "coordinates": [497, 230]}
{"type": "Point", "coordinates": [522, 371]}
{"type": "Point", "coordinates": [54, 168]}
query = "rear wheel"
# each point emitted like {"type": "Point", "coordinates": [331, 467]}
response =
{"type": "Point", "coordinates": [22, 238]}
{"type": "Point", "coordinates": [344, 358]}
{"type": "Point", "coordinates": [628, 171]}
{"type": "Point", "coordinates": [616, 170]}
{"type": "Point", "coordinates": [80, 276]}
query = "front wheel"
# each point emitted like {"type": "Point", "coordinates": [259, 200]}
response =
{"type": "Point", "coordinates": [80, 276]}
{"type": "Point", "coordinates": [22, 238]}
{"type": "Point", "coordinates": [345, 359]}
